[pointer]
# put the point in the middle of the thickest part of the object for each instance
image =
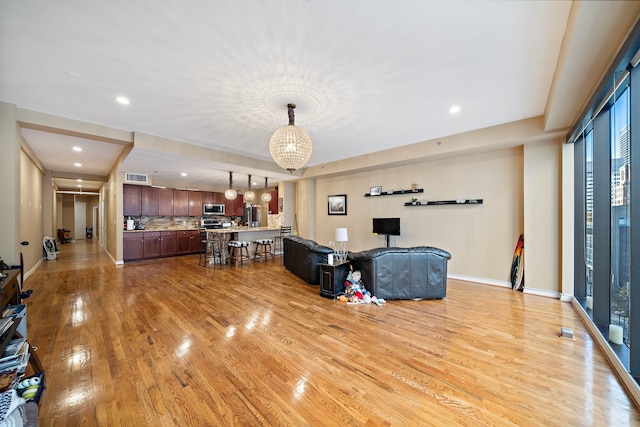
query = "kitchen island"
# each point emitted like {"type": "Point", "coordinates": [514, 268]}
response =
{"type": "Point", "coordinates": [248, 234]}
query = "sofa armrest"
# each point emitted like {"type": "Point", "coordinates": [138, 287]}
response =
{"type": "Point", "coordinates": [319, 249]}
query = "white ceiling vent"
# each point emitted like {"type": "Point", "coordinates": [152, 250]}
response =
{"type": "Point", "coordinates": [136, 178]}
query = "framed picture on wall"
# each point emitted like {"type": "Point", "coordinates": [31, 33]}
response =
{"type": "Point", "coordinates": [375, 191]}
{"type": "Point", "coordinates": [338, 204]}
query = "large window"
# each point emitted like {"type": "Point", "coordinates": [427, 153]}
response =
{"type": "Point", "coordinates": [606, 148]}
{"type": "Point", "coordinates": [620, 169]}
{"type": "Point", "coordinates": [588, 219]}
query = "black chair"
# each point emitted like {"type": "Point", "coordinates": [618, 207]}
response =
{"type": "Point", "coordinates": [278, 246]}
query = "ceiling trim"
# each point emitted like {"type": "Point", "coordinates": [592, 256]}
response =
{"type": "Point", "coordinates": [512, 134]}
{"type": "Point", "coordinates": [224, 160]}
{"type": "Point", "coordinates": [87, 177]}
{"type": "Point", "coordinates": [28, 151]}
{"type": "Point", "coordinates": [595, 33]}
{"type": "Point", "coordinates": [70, 127]}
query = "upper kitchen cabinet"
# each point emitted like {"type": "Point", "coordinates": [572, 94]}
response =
{"type": "Point", "coordinates": [219, 198]}
{"type": "Point", "coordinates": [149, 201]}
{"type": "Point", "coordinates": [238, 206]}
{"type": "Point", "coordinates": [273, 203]}
{"type": "Point", "coordinates": [131, 200]}
{"type": "Point", "coordinates": [207, 197]}
{"type": "Point", "coordinates": [165, 201]}
{"type": "Point", "coordinates": [180, 202]}
{"type": "Point", "coordinates": [195, 203]}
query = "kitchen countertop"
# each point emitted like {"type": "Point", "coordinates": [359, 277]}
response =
{"type": "Point", "coordinates": [216, 230]}
{"type": "Point", "coordinates": [242, 229]}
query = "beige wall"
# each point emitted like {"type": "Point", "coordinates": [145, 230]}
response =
{"type": "Point", "coordinates": [480, 238]}
{"type": "Point", "coordinates": [9, 176]}
{"type": "Point", "coordinates": [67, 216]}
{"type": "Point", "coordinates": [542, 216]}
{"type": "Point", "coordinates": [31, 213]}
{"type": "Point", "coordinates": [110, 200]}
{"type": "Point", "coordinates": [306, 214]}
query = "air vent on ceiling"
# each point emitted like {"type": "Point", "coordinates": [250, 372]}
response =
{"type": "Point", "coordinates": [138, 178]}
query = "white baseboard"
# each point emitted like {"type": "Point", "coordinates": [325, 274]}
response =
{"type": "Point", "coordinates": [482, 280]}
{"type": "Point", "coordinates": [625, 377]}
{"type": "Point", "coordinates": [504, 284]}
{"type": "Point", "coordinates": [33, 269]}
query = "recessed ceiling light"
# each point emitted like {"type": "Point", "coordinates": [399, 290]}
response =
{"type": "Point", "coordinates": [454, 109]}
{"type": "Point", "coordinates": [78, 165]}
{"type": "Point", "coordinates": [183, 174]}
{"type": "Point", "coordinates": [79, 180]}
{"type": "Point", "coordinates": [80, 185]}
{"type": "Point", "coordinates": [123, 100]}
{"type": "Point", "coordinates": [77, 149]}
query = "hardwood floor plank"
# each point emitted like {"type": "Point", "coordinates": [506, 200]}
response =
{"type": "Point", "coordinates": [167, 342]}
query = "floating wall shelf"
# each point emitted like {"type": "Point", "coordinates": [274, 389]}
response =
{"type": "Point", "coordinates": [394, 193]}
{"type": "Point", "coordinates": [447, 202]}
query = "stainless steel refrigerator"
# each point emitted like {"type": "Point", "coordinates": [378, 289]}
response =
{"type": "Point", "coordinates": [252, 215]}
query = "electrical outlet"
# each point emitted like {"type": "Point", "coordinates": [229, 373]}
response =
{"type": "Point", "coordinates": [566, 333]}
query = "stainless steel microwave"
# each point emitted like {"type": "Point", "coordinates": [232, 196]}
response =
{"type": "Point", "coordinates": [213, 209]}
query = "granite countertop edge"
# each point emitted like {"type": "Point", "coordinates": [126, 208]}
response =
{"type": "Point", "coordinates": [226, 229]}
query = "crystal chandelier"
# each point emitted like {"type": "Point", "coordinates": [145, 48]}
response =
{"type": "Point", "coordinates": [290, 146]}
{"type": "Point", "coordinates": [266, 196]}
{"type": "Point", "coordinates": [249, 196]}
{"type": "Point", "coordinates": [230, 194]}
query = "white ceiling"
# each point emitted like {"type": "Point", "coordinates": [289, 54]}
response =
{"type": "Point", "coordinates": [365, 75]}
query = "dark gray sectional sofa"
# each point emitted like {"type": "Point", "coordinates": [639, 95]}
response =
{"type": "Point", "coordinates": [303, 258]}
{"type": "Point", "coordinates": [403, 273]}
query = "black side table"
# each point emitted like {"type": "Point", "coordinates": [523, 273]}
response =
{"type": "Point", "coordinates": [332, 278]}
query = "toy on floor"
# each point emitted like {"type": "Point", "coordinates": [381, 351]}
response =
{"type": "Point", "coordinates": [355, 292]}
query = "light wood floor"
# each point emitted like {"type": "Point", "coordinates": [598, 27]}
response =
{"type": "Point", "coordinates": [169, 343]}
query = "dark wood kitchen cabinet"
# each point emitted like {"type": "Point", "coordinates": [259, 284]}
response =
{"type": "Point", "coordinates": [207, 197]}
{"type": "Point", "coordinates": [195, 242]}
{"type": "Point", "coordinates": [180, 203]}
{"type": "Point", "coordinates": [229, 207]}
{"type": "Point", "coordinates": [273, 203]}
{"type": "Point", "coordinates": [132, 245]}
{"type": "Point", "coordinates": [149, 201]}
{"type": "Point", "coordinates": [238, 206]}
{"type": "Point", "coordinates": [219, 198]}
{"type": "Point", "coordinates": [195, 203]}
{"type": "Point", "coordinates": [168, 243]}
{"type": "Point", "coordinates": [131, 200]}
{"type": "Point", "coordinates": [165, 201]}
{"type": "Point", "coordinates": [151, 244]}
{"type": "Point", "coordinates": [186, 241]}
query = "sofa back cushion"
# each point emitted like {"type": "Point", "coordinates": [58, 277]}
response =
{"type": "Point", "coordinates": [403, 273]}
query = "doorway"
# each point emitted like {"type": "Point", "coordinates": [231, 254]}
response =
{"type": "Point", "coordinates": [80, 219]}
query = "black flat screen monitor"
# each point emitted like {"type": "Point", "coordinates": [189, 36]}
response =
{"type": "Point", "coordinates": [388, 226]}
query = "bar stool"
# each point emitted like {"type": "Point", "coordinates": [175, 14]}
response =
{"type": "Point", "coordinates": [284, 232]}
{"type": "Point", "coordinates": [263, 249]}
{"type": "Point", "coordinates": [236, 254]}
{"type": "Point", "coordinates": [209, 247]}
